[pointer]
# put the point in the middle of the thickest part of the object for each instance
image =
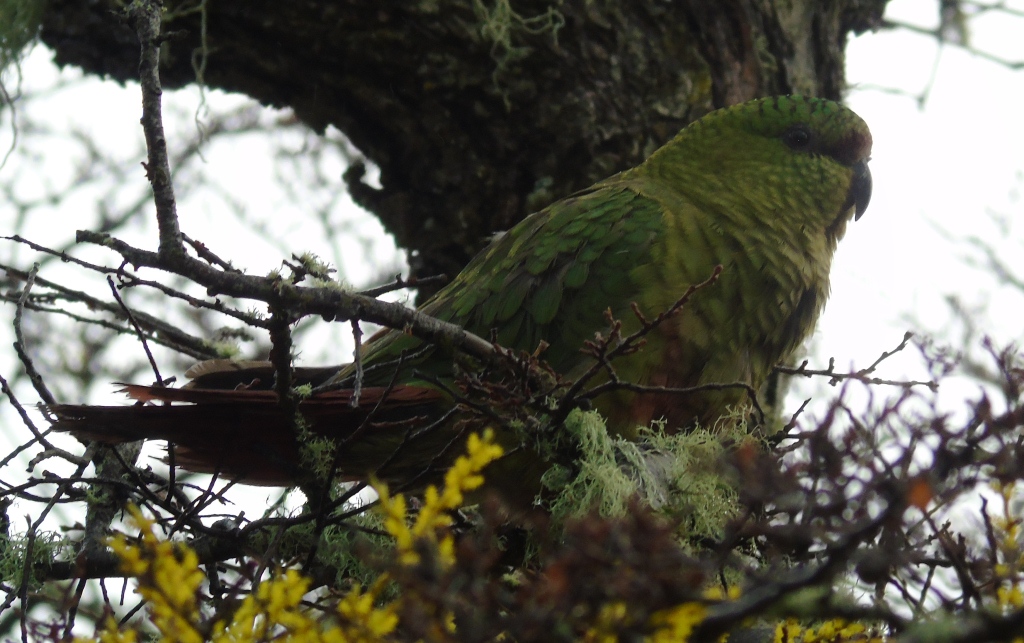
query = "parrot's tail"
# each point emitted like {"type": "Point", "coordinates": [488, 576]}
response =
{"type": "Point", "coordinates": [244, 434]}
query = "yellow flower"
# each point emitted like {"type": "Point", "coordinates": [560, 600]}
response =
{"type": "Point", "coordinates": [716, 593]}
{"type": "Point", "coordinates": [111, 634]}
{"type": "Point", "coordinates": [1010, 597]}
{"type": "Point", "coordinates": [834, 630]}
{"type": "Point", "coordinates": [365, 621]}
{"type": "Point", "coordinates": [280, 596]}
{"type": "Point", "coordinates": [608, 620]}
{"type": "Point", "coordinates": [677, 623]}
{"type": "Point", "coordinates": [788, 631]}
{"type": "Point", "coordinates": [169, 578]}
{"type": "Point", "coordinates": [433, 516]}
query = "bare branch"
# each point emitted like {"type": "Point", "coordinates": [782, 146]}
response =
{"type": "Point", "coordinates": [863, 374]}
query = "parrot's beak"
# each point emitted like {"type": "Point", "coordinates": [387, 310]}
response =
{"type": "Point", "coordinates": [860, 188]}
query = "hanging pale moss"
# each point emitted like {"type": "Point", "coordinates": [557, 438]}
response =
{"type": "Point", "coordinates": [502, 26]}
{"type": "Point", "coordinates": [44, 547]}
{"type": "Point", "coordinates": [681, 475]}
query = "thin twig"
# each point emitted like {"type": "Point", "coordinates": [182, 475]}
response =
{"type": "Point", "coordinates": [26, 577]}
{"type": "Point", "coordinates": [399, 284]}
{"type": "Point", "coordinates": [204, 253]}
{"type": "Point", "coordinates": [145, 16]}
{"type": "Point", "coordinates": [162, 332]}
{"type": "Point", "coordinates": [605, 349]}
{"type": "Point", "coordinates": [19, 341]}
{"type": "Point", "coordinates": [330, 303]}
{"type": "Point", "coordinates": [138, 331]}
{"type": "Point", "coordinates": [863, 374]}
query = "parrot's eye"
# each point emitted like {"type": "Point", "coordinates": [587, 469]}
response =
{"type": "Point", "coordinates": [797, 137]}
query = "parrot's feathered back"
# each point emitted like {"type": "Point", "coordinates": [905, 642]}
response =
{"type": "Point", "coordinates": [764, 189]}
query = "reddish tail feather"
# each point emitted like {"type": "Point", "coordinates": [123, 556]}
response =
{"type": "Point", "coordinates": [243, 434]}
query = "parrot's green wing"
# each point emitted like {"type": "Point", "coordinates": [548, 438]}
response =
{"type": "Point", "coordinates": [549, 279]}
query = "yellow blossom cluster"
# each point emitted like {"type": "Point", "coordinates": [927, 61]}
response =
{"type": "Point", "coordinates": [834, 631]}
{"type": "Point", "coordinates": [169, 580]}
{"type": "Point", "coordinates": [1009, 570]}
{"type": "Point", "coordinates": [677, 623]}
{"type": "Point", "coordinates": [434, 518]}
{"type": "Point", "coordinates": [672, 625]}
{"type": "Point", "coordinates": [611, 616]}
{"type": "Point", "coordinates": [169, 577]}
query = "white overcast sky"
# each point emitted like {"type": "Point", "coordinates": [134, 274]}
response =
{"type": "Point", "coordinates": [939, 171]}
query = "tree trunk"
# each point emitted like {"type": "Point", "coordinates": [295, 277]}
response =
{"type": "Point", "coordinates": [478, 112]}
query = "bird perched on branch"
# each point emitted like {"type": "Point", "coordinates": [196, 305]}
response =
{"type": "Point", "coordinates": [761, 191]}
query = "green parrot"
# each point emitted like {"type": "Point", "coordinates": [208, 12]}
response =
{"type": "Point", "coordinates": [763, 189]}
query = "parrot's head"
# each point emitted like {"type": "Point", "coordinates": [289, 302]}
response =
{"type": "Point", "coordinates": [800, 160]}
{"type": "Point", "coordinates": [824, 130]}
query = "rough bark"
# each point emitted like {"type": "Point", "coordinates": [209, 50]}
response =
{"type": "Point", "coordinates": [480, 111]}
